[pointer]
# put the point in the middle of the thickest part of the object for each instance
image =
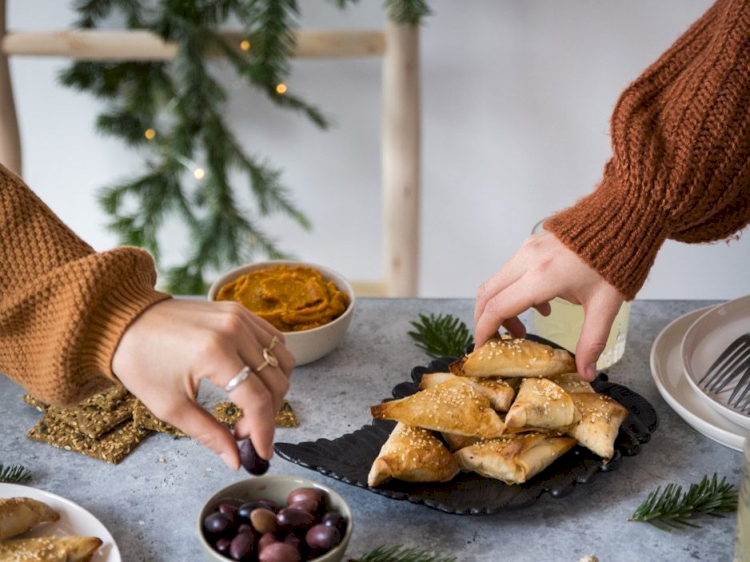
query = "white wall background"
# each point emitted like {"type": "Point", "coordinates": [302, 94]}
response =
{"type": "Point", "coordinates": [517, 96]}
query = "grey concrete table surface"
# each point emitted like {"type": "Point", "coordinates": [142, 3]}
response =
{"type": "Point", "coordinates": [151, 500]}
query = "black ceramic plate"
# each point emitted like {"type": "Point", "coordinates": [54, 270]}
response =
{"type": "Point", "coordinates": [349, 457]}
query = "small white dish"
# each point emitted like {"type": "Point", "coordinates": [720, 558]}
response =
{"type": "Point", "coordinates": [671, 381]}
{"type": "Point", "coordinates": [702, 344]}
{"type": "Point", "coordinates": [74, 520]}
{"type": "Point", "coordinates": [306, 345]}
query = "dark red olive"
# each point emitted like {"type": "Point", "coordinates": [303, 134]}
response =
{"type": "Point", "coordinates": [217, 524]}
{"type": "Point", "coordinates": [279, 552]}
{"type": "Point", "coordinates": [322, 537]}
{"type": "Point", "coordinates": [334, 519]}
{"type": "Point", "coordinates": [290, 518]}
{"type": "Point", "coordinates": [242, 545]}
{"type": "Point", "coordinates": [251, 461]}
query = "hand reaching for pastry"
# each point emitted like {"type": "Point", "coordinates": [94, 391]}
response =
{"type": "Point", "coordinates": [174, 344]}
{"type": "Point", "coordinates": [544, 268]}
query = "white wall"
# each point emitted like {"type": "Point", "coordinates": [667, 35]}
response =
{"type": "Point", "coordinates": [517, 95]}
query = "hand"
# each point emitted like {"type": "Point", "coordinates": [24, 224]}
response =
{"type": "Point", "coordinates": [542, 269]}
{"type": "Point", "coordinates": [167, 350]}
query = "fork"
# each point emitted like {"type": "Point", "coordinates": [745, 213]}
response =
{"type": "Point", "coordinates": [731, 365]}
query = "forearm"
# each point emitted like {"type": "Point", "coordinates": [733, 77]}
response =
{"type": "Point", "coordinates": [63, 307]}
{"type": "Point", "coordinates": [681, 148]}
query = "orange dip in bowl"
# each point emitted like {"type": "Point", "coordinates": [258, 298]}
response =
{"type": "Point", "coordinates": [290, 297]}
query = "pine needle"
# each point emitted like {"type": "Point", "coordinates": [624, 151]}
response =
{"type": "Point", "coordinates": [673, 509]}
{"type": "Point", "coordinates": [14, 474]}
{"type": "Point", "coordinates": [401, 554]}
{"type": "Point", "coordinates": [441, 335]}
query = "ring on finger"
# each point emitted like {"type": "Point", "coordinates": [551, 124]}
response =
{"type": "Point", "coordinates": [274, 341]}
{"type": "Point", "coordinates": [238, 379]}
{"type": "Point", "coordinates": [268, 359]}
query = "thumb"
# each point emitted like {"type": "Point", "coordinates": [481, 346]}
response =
{"type": "Point", "coordinates": [597, 324]}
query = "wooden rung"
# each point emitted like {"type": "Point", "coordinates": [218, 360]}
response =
{"type": "Point", "coordinates": [369, 289]}
{"type": "Point", "coordinates": [87, 44]}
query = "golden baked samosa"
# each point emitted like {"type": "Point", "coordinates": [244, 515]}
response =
{"type": "Point", "coordinates": [572, 383]}
{"type": "Point", "coordinates": [601, 417]}
{"type": "Point", "coordinates": [412, 454]}
{"type": "Point", "coordinates": [513, 459]}
{"type": "Point", "coordinates": [19, 514]}
{"type": "Point", "coordinates": [498, 392]}
{"type": "Point", "coordinates": [543, 406]}
{"type": "Point", "coordinates": [50, 549]}
{"type": "Point", "coordinates": [514, 357]}
{"type": "Point", "coordinates": [453, 406]}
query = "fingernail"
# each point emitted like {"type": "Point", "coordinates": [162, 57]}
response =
{"type": "Point", "coordinates": [590, 372]}
{"type": "Point", "coordinates": [229, 461]}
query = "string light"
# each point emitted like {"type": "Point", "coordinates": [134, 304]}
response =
{"type": "Point", "coordinates": [281, 89]}
{"type": "Point", "coordinates": [245, 45]}
{"type": "Point", "coordinates": [199, 173]}
{"type": "Point", "coordinates": [149, 134]}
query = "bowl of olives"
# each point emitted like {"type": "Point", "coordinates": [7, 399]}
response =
{"type": "Point", "coordinates": [275, 518]}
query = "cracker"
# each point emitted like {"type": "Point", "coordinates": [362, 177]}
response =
{"type": "Point", "coordinates": [143, 417]}
{"type": "Point", "coordinates": [96, 415]}
{"type": "Point", "coordinates": [229, 414]}
{"type": "Point", "coordinates": [111, 447]}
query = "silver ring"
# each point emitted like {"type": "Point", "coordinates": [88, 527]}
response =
{"type": "Point", "coordinates": [269, 359]}
{"type": "Point", "coordinates": [238, 379]}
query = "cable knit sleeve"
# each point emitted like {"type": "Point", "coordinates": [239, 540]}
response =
{"type": "Point", "coordinates": [680, 167]}
{"type": "Point", "coordinates": [63, 306]}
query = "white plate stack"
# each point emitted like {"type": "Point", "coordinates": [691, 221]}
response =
{"type": "Point", "coordinates": [683, 353]}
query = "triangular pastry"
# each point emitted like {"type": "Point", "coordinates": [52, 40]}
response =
{"type": "Point", "coordinates": [513, 459]}
{"type": "Point", "coordinates": [541, 405]}
{"type": "Point", "coordinates": [601, 417]}
{"type": "Point", "coordinates": [19, 514]}
{"type": "Point", "coordinates": [412, 454]}
{"type": "Point", "coordinates": [453, 406]}
{"type": "Point", "coordinates": [572, 383]}
{"type": "Point", "coordinates": [50, 549]}
{"type": "Point", "coordinates": [498, 392]}
{"type": "Point", "coordinates": [514, 357]}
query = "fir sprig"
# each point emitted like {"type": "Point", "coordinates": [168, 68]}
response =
{"type": "Point", "coordinates": [401, 554]}
{"type": "Point", "coordinates": [441, 335]}
{"type": "Point", "coordinates": [673, 509]}
{"type": "Point", "coordinates": [14, 473]}
{"type": "Point", "coordinates": [173, 112]}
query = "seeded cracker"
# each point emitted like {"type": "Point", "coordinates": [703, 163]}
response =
{"type": "Point", "coordinates": [94, 416]}
{"type": "Point", "coordinates": [111, 447]}
{"type": "Point", "coordinates": [144, 418]}
{"type": "Point", "coordinates": [229, 414]}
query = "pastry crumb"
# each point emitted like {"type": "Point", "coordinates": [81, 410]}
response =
{"type": "Point", "coordinates": [589, 558]}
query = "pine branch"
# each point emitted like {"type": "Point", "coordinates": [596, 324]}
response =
{"type": "Point", "coordinates": [15, 474]}
{"type": "Point", "coordinates": [672, 509]}
{"type": "Point", "coordinates": [410, 12]}
{"type": "Point", "coordinates": [402, 554]}
{"type": "Point", "coordinates": [442, 335]}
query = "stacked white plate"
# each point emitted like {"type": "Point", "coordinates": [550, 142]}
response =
{"type": "Point", "coordinates": [684, 351]}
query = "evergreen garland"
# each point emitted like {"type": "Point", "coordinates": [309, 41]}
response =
{"type": "Point", "coordinates": [173, 112]}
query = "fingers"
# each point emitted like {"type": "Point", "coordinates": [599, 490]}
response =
{"type": "Point", "coordinates": [198, 424]}
{"type": "Point", "coordinates": [599, 315]}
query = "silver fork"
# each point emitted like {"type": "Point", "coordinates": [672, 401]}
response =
{"type": "Point", "coordinates": [731, 365]}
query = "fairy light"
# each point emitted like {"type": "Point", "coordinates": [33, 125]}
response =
{"type": "Point", "coordinates": [245, 45]}
{"type": "Point", "coordinates": [199, 173]}
{"type": "Point", "coordinates": [149, 134]}
{"type": "Point", "coordinates": [281, 89]}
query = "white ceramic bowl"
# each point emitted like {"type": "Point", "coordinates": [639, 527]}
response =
{"type": "Point", "coordinates": [306, 345]}
{"type": "Point", "coordinates": [274, 488]}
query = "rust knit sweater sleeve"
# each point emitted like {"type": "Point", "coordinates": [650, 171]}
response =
{"type": "Point", "coordinates": [680, 167]}
{"type": "Point", "coordinates": [63, 306]}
